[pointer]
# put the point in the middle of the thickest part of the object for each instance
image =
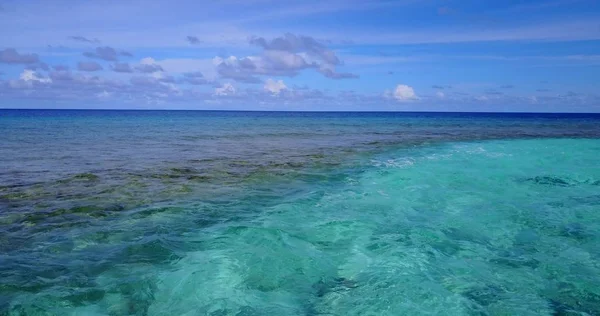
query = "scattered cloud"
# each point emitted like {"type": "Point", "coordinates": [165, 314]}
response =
{"type": "Point", "coordinates": [122, 67]}
{"type": "Point", "coordinates": [148, 65]}
{"type": "Point", "coordinates": [533, 99]}
{"type": "Point", "coordinates": [284, 65]}
{"type": "Point", "coordinates": [282, 56]}
{"type": "Point", "coordinates": [225, 90]}
{"type": "Point", "coordinates": [66, 85]}
{"type": "Point", "coordinates": [11, 56]}
{"type": "Point", "coordinates": [157, 84]}
{"type": "Point", "coordinates": [61, 75]}
{"type": "Point", "coordinates": [296, 44]}
{"type": "Point", "coordinates": [29, 75]}
{"type": "Point", "coordinates": [194, 78]}
{"type": "Point", "coordinates": [404, 93]}
{"type": "Point", "coordinates": [89, 66]}
{"type": "Point", "coordinates": [193, 40]}
{"type": "Point", "coordinates": [103, 95]}
{"type": "Point", "coordinates": [241, 70]}
{"type": "Point", "coordinates": [106, 53]}
{"type": "Point", "coordinates": [29, 79]}
{"type": "Point", "coordinates": [165, 79]}
{"type": "Point", "coordinates": [84, 39]}
{"type": "Point", "coordinates": [207, 66]}
{"type": "Point", "coordinates": [330, 73]}
{"type": "Point", "coordinates": [143, 81]}
{"type": "Point", "coordinates": [161, 88]}
{"type": "Point", "coordinates": [274, 86]}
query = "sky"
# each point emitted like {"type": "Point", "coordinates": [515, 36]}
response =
{"type": "Point", "coordinates": [302, 55]}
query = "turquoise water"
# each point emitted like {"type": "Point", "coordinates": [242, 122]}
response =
{"type": "Point", "coordinates": [217, 213]}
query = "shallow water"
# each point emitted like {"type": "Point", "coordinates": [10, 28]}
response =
{"type": "Point", "coordinates": [237, 213]}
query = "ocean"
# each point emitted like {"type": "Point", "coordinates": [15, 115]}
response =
{"type": "Point", "coordinates": [298, 213]}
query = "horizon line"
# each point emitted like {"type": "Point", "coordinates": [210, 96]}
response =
{"type": "Point", "coordinates": [290, 111]}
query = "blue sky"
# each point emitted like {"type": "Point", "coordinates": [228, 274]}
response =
{"type": "Point", "coordinates": [405, 55]}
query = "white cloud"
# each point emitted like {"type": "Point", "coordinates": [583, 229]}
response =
{"type": "Point", "coordinates": [231, 60]}
{"type": "Point", "coordinates": [440, 95]}
{"type": "Point", "coordinates": [30, 75]}
{"type": "Point", "coordinates": [148, 65]}
{"type": "Point", "coordinates": [158, 75]}
{"type": "Point", "coordinates": [283, 59]}
{"type": "Point", "coordinates": [226, 89]}
{"type": "Point", "coordinates": [274, 86]}
{"type": "Point", "coordinates": [28, 78]}
{"type": "Point", "coordinates": [533, 100]}
{"type": "Point", "coordinates": [405, 93]}
{"type": "Point", "coordinates": [148, 61]}
{"type": "Point", "coordinates": [103, 95]}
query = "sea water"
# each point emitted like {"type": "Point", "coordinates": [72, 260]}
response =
{"type": "Point", "coordinates": [258, 213]}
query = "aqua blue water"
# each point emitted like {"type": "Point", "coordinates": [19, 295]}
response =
{"type": "Point", "coordinates": [257, 213]}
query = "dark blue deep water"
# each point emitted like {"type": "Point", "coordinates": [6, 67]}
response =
{"type": "Point", "coordinates": [297, 213]}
